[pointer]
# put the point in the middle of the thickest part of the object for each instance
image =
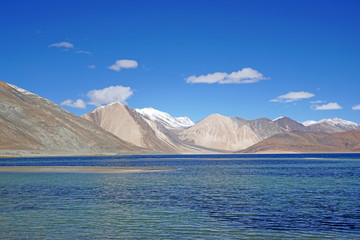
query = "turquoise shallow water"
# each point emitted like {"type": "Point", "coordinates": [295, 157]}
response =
{"type": "Point", "coordinates": [312, 196]}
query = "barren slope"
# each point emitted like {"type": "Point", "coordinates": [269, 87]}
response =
{"type": "Point", "coordinates": [220, 132]}
{"type": "Point", "coordinates": [30, 122]}
{"type": "Point", "coordinates": [309, 142]}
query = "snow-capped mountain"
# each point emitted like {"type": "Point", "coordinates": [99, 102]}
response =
{"type": "Point", "coordinates": [333, 122]}
{"type": "Point", "coordinates": [166, 119]}
{"type": "Point", "coordinates": [339, 122]}
{"type": "Point", "coordinates": [331, 125]}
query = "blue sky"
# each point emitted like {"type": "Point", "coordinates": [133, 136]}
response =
{"type": "Point", "coordinates": [249, 59]}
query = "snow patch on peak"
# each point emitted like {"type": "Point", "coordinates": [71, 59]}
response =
{"type": "Point", "coordinates": [309, 122]}
{"type": "Point", "coordinates": [278, 118]}
{"type": "Point", "coordinates": [185, 121]}
{"type": "Point", "coordinates": [166, 119]}
{"type": "Point", "coordinates": [333, 122]}
{"type": "Point", "coordinates": [338, 122]}
{"type": "Point", "coordinates": [30, 94]}
{"type": "Point", "coordinates": [19, 89]}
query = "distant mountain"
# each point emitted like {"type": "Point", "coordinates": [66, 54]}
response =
{"type": "Point", "coordinates": [233, 134]}
{"type": "Point", "coordinates": [139, 129]}
{"type": "Point", "coordinates": [220, 132]}
{"type": "Point", "coordinates": [230, 134]}
{"type": "Point", "coordinates": [289, 124]}
{"type": "Point", "coordinates": [166, 119]}
{"type": "Point", "coordinates": [312, 142]}
{"type": "Point", "coordinates": [331, 125]}
{"type": "Point", "coordinates": [31, 124]}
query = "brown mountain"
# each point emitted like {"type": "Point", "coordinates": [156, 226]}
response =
{"type": "Point", "coordinates": [303, 142]}
{"type": "Point", "coordinates": [31, 124]}
{"type": "Point", "coordinates": [131, 126]}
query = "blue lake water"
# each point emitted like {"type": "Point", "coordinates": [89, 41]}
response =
{"type": "Point", "coordinates": [313, 196]}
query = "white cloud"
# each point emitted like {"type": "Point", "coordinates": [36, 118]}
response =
{"type": "Point", "coordinates": [77, 104]}
{"type": "Point", "coordinates": [329, 106]}
{"type": "Point", "coordinates": [357, 107]}
{"type": "Point", "coordinates": [92, 66]}
{"type": "Point", "coordinates": [246, 75]}
{"type": "Point", "coordinates": [124, 63]}
{"type": "Point", "coordinates": [318, 101]}
{"type": "Point", "coordinates": [84, 52]}
{"type": "Point", "coordinates": [292, 96]}
{"type": "Point", "coordinates": [62, 44]}
{"type": "Point", "coordinates": [108, 95]}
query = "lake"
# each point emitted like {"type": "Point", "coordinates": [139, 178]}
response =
{"type": "Point", "coordinates": [205, 197]}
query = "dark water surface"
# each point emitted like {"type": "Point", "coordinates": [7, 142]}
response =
{"type": "Point", "coordinates": [311, 196]}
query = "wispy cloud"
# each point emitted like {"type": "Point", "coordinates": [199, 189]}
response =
{"type": "Point", "coordinates": [246, 75]}
{"type": "Point", "coordinates": [108, 95]}
{"type": "Point", "coordinates": [357, 107]}
{"type": "Point", "coordinates": [92, 66]}
{"type": "Point", "coordinates": [68, 45]}
{"type": "Point", "coordinates": [317, 102]}
{"type": "Point", "coordinates": [62, 44]}
{"type": "Point", "coordinates": [83, 52]}
{"type": "Point", "coordinates": [124, 63]}
{"type": "Point", "coordinates": [293, 96]}
{"type": "Point", "coordinates": [329, 106]}
{"type": "Point", "coordinates": [77, 104]}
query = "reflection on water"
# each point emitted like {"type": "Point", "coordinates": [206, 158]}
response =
{"type": "Point", "coordinates": [207, 197]}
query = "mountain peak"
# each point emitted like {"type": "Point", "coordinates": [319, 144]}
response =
{"type": "Point", "coordinates": [166, 119]}
{"type": "Point", "coordinates": [278, 118]}
{"type": "Point", "coordinates": [110, 105]}
{"type": "Point", "coordinates": [331, 121]}
{"type": "Point", "coordinates": [216, 115]}
{"type": "Point", "coordinates": [114, 103]}
{"type": "Point", "coordinates": [338, 121]}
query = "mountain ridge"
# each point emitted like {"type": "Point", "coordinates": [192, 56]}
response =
{"type": "Point", "coordinates": [308, 142]}
{"type": "Point", "coordinates": [34, 125]}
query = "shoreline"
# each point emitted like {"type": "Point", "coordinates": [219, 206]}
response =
{"type": "Point", "coordinates": [32, 154]}
{"type": "Point", "coordinates": [77, 169]}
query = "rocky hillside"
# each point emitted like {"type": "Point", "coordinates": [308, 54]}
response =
{"type": "Point", "coordinates": [32, 124]}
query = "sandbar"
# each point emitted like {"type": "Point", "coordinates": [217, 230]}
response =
{"type": "Point", "coordinates": [77, 169]}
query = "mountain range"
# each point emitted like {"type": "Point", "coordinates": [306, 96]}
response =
{"type": "Point", "coordinates": [32, 125]}
{"type": "Point", "coordinates": [152, 129]}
